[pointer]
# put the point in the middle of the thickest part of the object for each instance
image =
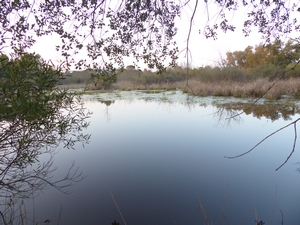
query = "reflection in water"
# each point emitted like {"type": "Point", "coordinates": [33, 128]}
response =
{"type": "Point", "coordinates": [107, 102]}
{"type": "Point", "coordinates": [227, 116]}
{"type": "Point", "coordinates": [233, 111]}
{"type": "Point", "coordinates": [228, 113]}
{"type": "Point", "coordinates": [268, 110]}
{"type": "Point", "coordinates": [28, 145]}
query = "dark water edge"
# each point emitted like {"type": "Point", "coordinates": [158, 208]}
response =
{"type": "Point", "coordinates": [162, 154]}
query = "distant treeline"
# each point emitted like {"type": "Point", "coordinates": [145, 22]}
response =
{"type": "Point", "coordinates": [262, 61]}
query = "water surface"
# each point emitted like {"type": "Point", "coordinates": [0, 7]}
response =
{"type": "Point", "coordinates": [161, 156]}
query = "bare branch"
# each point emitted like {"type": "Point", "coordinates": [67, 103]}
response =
{"type": "Point", "coordinates": [187, 46]}
{"type": "Point", "coordinates": [292, 151]}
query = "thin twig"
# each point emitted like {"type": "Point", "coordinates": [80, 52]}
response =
{"type": "Point", "coordinates": [281, 216]}
{"type": "Point", "coordinates": [273, 205]}
{"type": "Point", "coordinates": [2, 216]}
{"type": "Point", "coordinates": [256, 218]}
{"type": "Point", "coordinates": [33, 205]}
{"type": "Point", "coordinates": [59, 215]}
{"type": "Point", "coordinates": [202, 209]}
{"type": "Point", "coordinates": [187, 47]}
{"type": "Point", "coordinates": [117, 207]}
{"type": "Point", "coordinates": [254, 207]}
{"type": "Point", "coordinates": [294, 145]}
{"type": "Point", "coordinates": [223, 215]}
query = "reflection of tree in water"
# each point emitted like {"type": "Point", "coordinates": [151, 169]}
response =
{"type": "Point", "coordinates": [227, 116]}
{"type": "Point", "coordinates": [22, 142]}
{"type": "Point", "coordinates": [270, 111]}
{"type": "Point", "coordinates": [36, 118]}
{"type": "Point", "coordinates": [107, 102]}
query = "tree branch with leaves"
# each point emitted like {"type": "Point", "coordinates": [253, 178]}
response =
{"type": "Point", "coordinates": [36, 118]}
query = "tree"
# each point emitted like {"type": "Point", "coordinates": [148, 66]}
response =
{"type": "Point", "coordinates": [238, 58]}
{"type": "Point", "coordinates": [277, 53]}
{"type": "Point", "coordinates": [107, 31]}
{"type": "Point", "coordinates": [103, 78]}
{"type": "Point", "coordinates": [35, 118]}
{"type": "Point", "coordinates": [142, 29]}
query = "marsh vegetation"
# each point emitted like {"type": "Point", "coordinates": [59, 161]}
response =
{"type": "Point", "coordinates": [270, 71]}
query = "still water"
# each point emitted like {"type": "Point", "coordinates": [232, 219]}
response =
{"type": "Point", "coordinates": [158, 158]}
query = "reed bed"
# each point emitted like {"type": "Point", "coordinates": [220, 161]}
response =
{"type": "Point", "coordinates": [261, 87]}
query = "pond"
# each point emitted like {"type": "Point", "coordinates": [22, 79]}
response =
{"type": "Point", "coordinates": [158, 158]}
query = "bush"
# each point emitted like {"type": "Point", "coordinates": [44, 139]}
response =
{"type": "Point", "coordinates": [169, 76]}
{"type": "Point", "coordinates": [269, 70]}
{"type": "Point", "coordinates": [292, 70]}
{"type": "Point", "coordinates": [104, 78]}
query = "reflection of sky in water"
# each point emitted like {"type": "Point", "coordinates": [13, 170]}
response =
{"type": "Point", "coordinates": [154, 157]}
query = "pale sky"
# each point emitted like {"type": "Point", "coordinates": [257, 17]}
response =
{"type": "Point", "coordinates": [208, 51]}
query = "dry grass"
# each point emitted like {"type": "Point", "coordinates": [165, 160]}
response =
{"type": "Point", "coordinates": [72, 86]}
{"type": "Point", "coordinates": [127, 85]}
{"type": "Point", "coordinates": [253, 89]}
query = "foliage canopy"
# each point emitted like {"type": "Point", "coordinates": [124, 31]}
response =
{"type": "Point", "coordinates": [276, 53]}
{"type": "Point", "coordinates": [107, 31]}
